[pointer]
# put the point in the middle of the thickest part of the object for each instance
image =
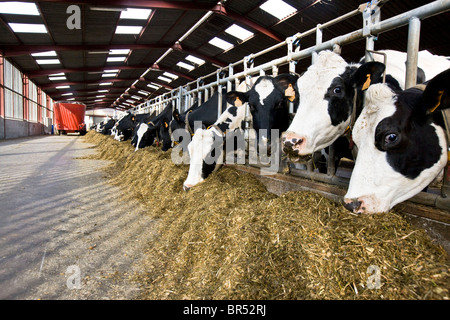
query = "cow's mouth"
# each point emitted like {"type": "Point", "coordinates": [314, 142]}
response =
{"type": "Point", "coordinates": [296, 158]}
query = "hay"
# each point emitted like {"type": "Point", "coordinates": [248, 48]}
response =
{"type": "Point", "coordinates": [228, 238]}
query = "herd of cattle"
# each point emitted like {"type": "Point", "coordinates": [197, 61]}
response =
{"type": "Point", "coordinates": [397, 136]}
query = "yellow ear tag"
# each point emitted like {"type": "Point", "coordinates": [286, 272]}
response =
{"type": "Point", "coordinates": [440, 93]}
{"type": "Point", "coordinates": [290, 92]}
{"type": "Point", "coordinates": [165, 124]}
{"type": "Point", "coordinates": [367, 83]}
{"type": "Point", "coordinates": [238, 102]}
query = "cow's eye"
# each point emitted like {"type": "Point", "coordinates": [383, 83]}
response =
{"type": "Point", "coordinates": [337, 90]}
{"type": "Point", "coordinates": [390, 138]}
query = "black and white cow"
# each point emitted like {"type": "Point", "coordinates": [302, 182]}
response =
{"type": "Point", "coordinates": [402, 145]}
{"type": "Point", "coordinates": [127, 123]}
{"type": "Point", "coordinates": [105, 126]}
{"type": "Point", "coordinates": [206, 113]}
{"type": "Point", "coordinates": [327, 95]}
{"type": "Point", "coordinates": [268, 101]}
{"type": "Point", "coordinates": [206, 150]}
{"type": "Point", "coordinates": [146, 131]}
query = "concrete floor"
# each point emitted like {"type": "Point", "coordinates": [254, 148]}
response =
{"type": "Point", "coordinates": [63, 232]}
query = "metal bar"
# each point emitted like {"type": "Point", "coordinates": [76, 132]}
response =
{"type": "Point", "coordinates": [413, 52]}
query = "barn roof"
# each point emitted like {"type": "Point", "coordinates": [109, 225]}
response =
{"type": "Point", "coordinates": [98, 61]}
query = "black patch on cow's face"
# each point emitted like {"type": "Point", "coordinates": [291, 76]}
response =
{"type": "Point", "coordinates": [340, 97]}
{"type": "Point", "coordinates": [232, 111]}
{"type": "Point", "coordinates": [411, 144]}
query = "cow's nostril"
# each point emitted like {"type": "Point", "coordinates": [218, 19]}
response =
{"type": "Point", "coordinates": [186, 188]}
{"type": "Point", "coordinates": [353, 206]}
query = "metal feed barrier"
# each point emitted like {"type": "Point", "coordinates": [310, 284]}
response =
{"type": "Point", "coordinates": [225, 77]}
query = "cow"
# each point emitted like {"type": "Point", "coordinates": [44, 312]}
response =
{"type": "Point", "coordinates": [402, 144]}
{"type": "Point", "coordinates": [268, 101]}
{"type": "Point", "coordinates": [127, 123]}
{"type": "Point", "coordinates": [206, 149]}
{"type": "Point", "coordinates": [206, 113]}
{"type": "Point", "coordinates": [146, 131]}
{"type": "Point", "coordinates": [105, 126]}
{"type": "Point", "coordinates": [330, 100]}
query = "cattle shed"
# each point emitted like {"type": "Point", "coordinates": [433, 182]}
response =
{"type": "Point", "coordinates": [89, 217]}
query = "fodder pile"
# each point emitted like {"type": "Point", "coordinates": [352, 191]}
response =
{"type": "Point", "coordinates": [228, 238]}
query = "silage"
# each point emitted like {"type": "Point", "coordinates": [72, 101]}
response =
{"type": "Point", "coordinates": [228, 238]}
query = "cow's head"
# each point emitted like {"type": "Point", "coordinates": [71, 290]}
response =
{"type": "Point", "coordinates": [327, 91]}
{"type": "Point", "coordinates": [164, 135]}
{"type": "Point", "coordinates": [266, 102]}
{"type": "Point", "coordinates": [206, 156]}
{"type": "Point", "coordinates": [402, 145]}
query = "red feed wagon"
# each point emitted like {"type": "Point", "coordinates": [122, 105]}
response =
{"type": "Point", "coordinates": [69, 117]}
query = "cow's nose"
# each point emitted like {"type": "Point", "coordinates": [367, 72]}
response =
{"type": "Point", "coordinates": [187, 187]}
{"type": "Point", "coordinates": [292, 143]}
{"type": "Point", "coordinates": [354, 205]}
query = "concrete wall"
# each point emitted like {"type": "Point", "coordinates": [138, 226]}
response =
{"type": "Point", "coordinates": [11, 128]}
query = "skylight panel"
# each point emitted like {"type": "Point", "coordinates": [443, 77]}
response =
{"type": "Point", "coordinates": [105, 84]}
{"type": "Point", "coordinates": [115, 59]}
{"type": "Point", "coordinates": [27, 28]}
{"type": "Point", "coordinates": [45, 54]}
{"type": "Point", "coordinates": [62, 87]}
{"type": "Point", "coordinates": [165, 79]}
{"type": "Point", "coordinates": [23, 8]}
{"type": "Point", "coordinates": [222, 44]}
{"type": "Point", "coordinates": [67, 94]}
{"type": "Point", "coordinates": [195, 60]}
{"type": "Point", "coordinates": [109, 75]}
{"type": "Point", "coordinates": [170, 75]}
{"type": "Point", "coordinates": [145, 93]}
{"type": "Point", "coordinates": [57, 74]}
{"type": "Point", "coordinates": [278, 8]}
{"type": "Point", "coordinates": [136, 14]}
{"type": "Point", "coordinates": [111, 71]}
{"type": "Point", "coordinates": [48, 61]}
{"type": "Point", "coordinates": [185, 66]}
{"type": "Point", "coordinates": [130, 101]}
{"type": "Point", "coordinates": [239, 32]}
{"type": "Point", "coordinates": [128, 30]}
{"type": "Point", "coordinates": [100, 96]}
{"type": "Point", "coordinates": [136, 97]}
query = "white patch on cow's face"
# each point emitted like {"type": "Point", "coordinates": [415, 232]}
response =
{"type": "Point", "coordinates": [199, 149]}
{"type": "Point", "coordinates": [140, 133]}
{"type": "Point", "coordinates": [312, 121]}
{"type": "Point", "coordinates": [264, 88]}
{"type": "Point", "coordinates": [374, 182]}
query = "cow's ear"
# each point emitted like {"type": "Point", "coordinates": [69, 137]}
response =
{"type": "Point", "coordinates": [236, 98]}
{"type": "Point", "coordinates": [286, 84]}
{"type": "Point", "coordinates": [176, 115]}
{"type": "Point", "coordinates": [437, 93]}
{"type": "Point", "coordinates": [367, 74]}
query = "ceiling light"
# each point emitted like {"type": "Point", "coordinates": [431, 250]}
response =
{"type": "Point", "coordinates": [220, 43]}
{"type": "Point", "coordinates": [115, 59]}
{"type": "Point", "coordinates": [45, 54]}
{"type": "Point", "coordinates": [111, 71]}
{"type": "Point", "coordinates": [145, 93]}
{"type": "Point", "coordinates": [57, 78]}
{"type": "Point", "coordinates": [278, 8]}
{"type": "Point", "coordinates": [165, 79]}
{"type": "Point", "coordinates": [239, 32]}
{"type": "Point", "coordinates": [168, 74]}
{"type": "Point", "coordinates": [153, 86]}
{"type": "Point", "coordinates": [48, 61]}
{"type": "Point", "coordinates": [136, 97]}
{"type": "Point", "coordinates": [63, 87]}
{"type": "Point", "coordinates": [57, 74]}
{"type": "Point", "coordinates": [136, 14]}
{"type": "Point", "coordinates": [27, 28]}
{"type": "Point", "coordinates": [195, 60]}
{"type": "Point", "coordinates": [13, 7]}
{"type": "Point", "coordinates": [109, 75]}
{"type": "Point", "coordinates": [105, 84]}
{"type": "Point", "coordinates": [185, 66]}
{"type": "Point", "coordinates": [67, 94]}
{"type": "Point", "coordinates": [128, 30]}
{"type": "Point", "coordinates": [119, 51]}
